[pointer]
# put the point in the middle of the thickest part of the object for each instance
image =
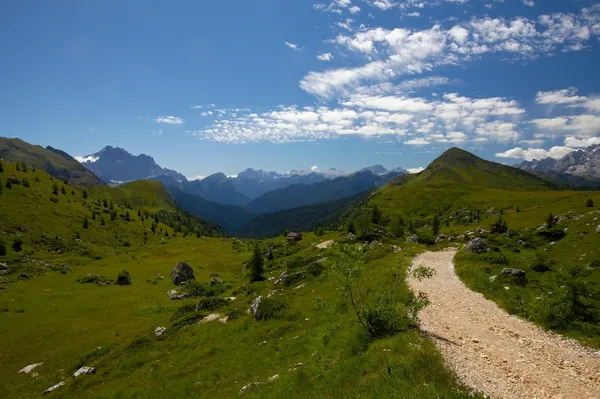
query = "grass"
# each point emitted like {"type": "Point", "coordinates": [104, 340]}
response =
{"type": "Point", "coordinates": [50, 317]}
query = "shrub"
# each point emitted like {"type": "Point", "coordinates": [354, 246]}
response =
{"type": "Point", "coordinates": [195, 289]}
{"type": "Point", "coordinates": [25, 182]}
{"type": "Point", "coordinates": [17, 245]}
{"type": "Point", "coordinates": [54, 198]}
{"type": "Point", "coordinates": [210, 304]}
{"type": "Point", "coordinates": [8, 184]}
{"type": "Point", "coordinates": [126, 243]}
{"type": "Point", "coordinates": [54, 188]}
{"type": "Point", "coordinates": [234, 314]}
{"type": "Point", "coordinates": [493, 257]}
{"type": "Point", "coordinates": [426, 238]}
{"type": "Point", "coordinates": [553, 234]}
{"type": "Point", "coordinates": [86, 223]}
{"type": "Point", "coordinates": [270, 308]}
{"type": "Point", "coordinates": [63, 190]}
{"type": "Point", "coordinates": [2, 248]}
{"type": "Point", "coordinates": [383, 319]}
{"type": "Point", "coordinates": [499, 226]}
{"type": "Point", "coordinates": [435, 225]}
{"type": "Point", "coordinates": [124, 278]}
{"type": "Point", "coordinates": [316, 269]}
{"type": "Point", "coordinates": [589, 203]}
{"type": "Point", "coordinates": [541, 263]}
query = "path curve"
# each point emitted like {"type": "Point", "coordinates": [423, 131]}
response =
{"type": "Point", "coordinates": [494, 352]}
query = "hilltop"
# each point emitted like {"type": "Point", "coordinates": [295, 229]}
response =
{"type": "Point", "coordinates": [54, 162]}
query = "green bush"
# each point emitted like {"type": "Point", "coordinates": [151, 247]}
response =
{"type": "Point", "coordinates": [210, 304]}
{"type": "Point", "coordinates": [124, 278]}
{"type": "Point", "coordinates": [493, 257]}
{"type": "Point", "coordinates": [426, 238]}
{"type": "Point", "coordinates": [541, 263]}
{"type": "Point", "coordinates": [17, 245]}
{"type": "Point", "coordinates": [315, 269]}
{"type": "Point", "coordinates": [2, 248]}
{"type": "Point", "coordinates": [553, 234]}
{"type": "Point", "coordinates": [195, 289]}
{"type": "Point", "coordinates": [270, 308]}
{"type": "Point", "coordinates": [383, 319]}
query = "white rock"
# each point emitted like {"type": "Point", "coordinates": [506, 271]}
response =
{"type": "Point", "coordinates": [254, 306]}
{"type": "Point", "coordinates": [209, 318]}
{"type": "Point", "coordinates": [246, 387]}
{"type": "Point", "coordinates": [84, 370]}
{"type": "Point", "coordinates": [275, 377]}
{"type": "Point", "coordinates": [300, 286]}
{"type": "Point", "coordinates": [53, 388]}
{"type": "Point", "coordinates": [29, 368]}
{"type": "Point", "coordinates": [224, 320]}
{"type": "Point", "coordinates": [231, 298]}
{"type": "Point", "coordinates": [159, 331]}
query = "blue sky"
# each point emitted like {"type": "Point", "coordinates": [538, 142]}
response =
{"type": "Point", "coordinates": [279, 85]}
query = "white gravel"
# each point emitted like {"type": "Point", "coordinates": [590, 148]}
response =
{"type": "Point", "coordinates": [494, 352]}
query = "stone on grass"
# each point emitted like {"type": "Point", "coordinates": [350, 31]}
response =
{"type": "Point", "coordinates": [246, 387]}
{"type": "Point", "coordinates": [254, 307]}
{"type": "Point", "coordinates": [275, 377]}
{"type": "Point", "coordinates": [413, 239]}
{"type": "Point", "coordinates": [215, 281]}
{"type": "Point", "coordinates": [3, 269]}
{"type": "Point", "coordinates": [84, 370]}
{"type": "Point", "coordinates": [159, 276]}
{"type": "Point", "coordinates": [598, 229]}
{"type": "Point", "coordinates": [159, 331]}
{"type": "Point", "coordinates": [29, 369]}
{"type": "Point", "coordinates": [53, 388]}
{"type": "Point", "coordinates": [477, 245]}
{"type": "Point", "coordinates": [492, 279]}
{"type": "Point", "coordinates": [209, 318]}
{"type": "Point", "coordinates": [440, 238]}
{"type": "Point", "coordinates": [181, 273]}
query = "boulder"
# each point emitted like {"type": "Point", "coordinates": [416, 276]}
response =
{"type": "Point", "coordinates": [3, 269]}
{"type": "Point", "coordinates": [246, 387]}
{"type": "Point", "coordinates": [84, 370]}
{"type": "Point", "coordinates": [414, 239]}
{"type": "Point", "coordinates": [181, 273]}
{"type": "Point", "coordinates": [65, 268]}
{"type": "Point", "coordinates": [517, 273]}
{"type": "Point", "coordinates": [492, 279]}
{"type": "Point", "coordinates": [209, 318]}
{"type": "Point", "coordinates": [350, 238]}
{"type": "Point", "coordinates": [215, 281]}
{"type": "Point", "coordinates": [440, 238]}
{"type": "Point", "coordinates": [159, 276]}
{"type": "Point", "coordinates": [159, 331]}
{"type": "Point", "coordinates": [477, 245]}
{"type": "Point", "coordinates": [29, 369]}
{"type": "Point", "coordinates": [598, 229]}
{"type": "Point", "coordinates": [53, 388]}
{"type": "Point", "coordinates": [594, 264]}
{"type": "Point", "coordinates": [254, 307]}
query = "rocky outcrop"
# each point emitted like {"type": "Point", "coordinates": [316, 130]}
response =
{"type": "Point", "coordinates": [181, 273]}
{"type": "Point", "coordinates": [477, 245]}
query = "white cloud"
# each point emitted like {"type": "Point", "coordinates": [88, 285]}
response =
{"type": "Point", "coordinates": [293, 46]}
{"type": "Point", "coordinates": [501, 131]}
{"type": "Point", "coordinates": [528, 3]}
{"type": "Point", "coordinates": [535, 153]}
{"type": "Point", "coordinates": [325, 57]}
{"type": "Point", "coordinates": [565, 96]}
{"type": "Point", "coordinates": [89, 158]}
{"type": "Point", "coordinates": [581, 143]}
{"type": "Point", "coordinates": [199, 177]}
{"type": "Point", "coordinates": [580, 126]}
{"type": "Point", "coordinates": [354, 9]}
{"type": "Point", "coordinates": [415, 170]}
{"type": "Point", "coordinates": [413, 14]}
{"type": "Point", "coordinates": [418, 141]}
{"type": "Point", "coordinates": [170, 120]}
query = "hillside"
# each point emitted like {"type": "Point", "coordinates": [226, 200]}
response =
{"type": "Point", "coordinates": [583, 163]}
{"type": "Point", "coordinates": [301, 194]}
{"type": "Point", "coordinates": [55, 162]}
{"type": "Point", "coordinates": [305, 218]}
{"type": "Point", "coordinates": [454, 174]}
{"type": "Point", "coordinates": [46, 214]}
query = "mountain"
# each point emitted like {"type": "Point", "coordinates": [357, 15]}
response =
{"type": "Point", "coordinates": [448, 181]}
{"type": "Point", "coordinates": [55, 162]}
{"type": "Point", "coordinates": [116, 165]}
{"type": "Point", "coordinates": [582, 163]}
{"type": "Point", "coordinates": [299, 195]}
{"type": "Point", "coordinates": [216, 188]}
{"type": "Point", "coordinates": [304, 218]}
{"type": "Point", "coordinates": [254, 183]}
{"type": "Point", "coordinates": [377, 170]}
{"type": "Point", "coordinates": [230, 217]}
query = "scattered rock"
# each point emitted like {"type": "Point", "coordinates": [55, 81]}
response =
{"type": "Point", "coordinates": [84, 370]}
{"type": "Point", "coordinates": [300, 286]}
{"type": "Point", "coordinates": [477, 245]}
{"type": "Point", "coordinates": [175, 296]}
{"type": "Point", "coordinates": [53, 388]}
{"type": "Point", "coordinates": [64, 268]}
{"type": "Point", "coordinates": [598, 229]}
{"type": "Point", "coordinates": [594, 264]}
{"type": "Point", "coordinates": [209, 318]}
{"type": "Point", "coordinates": [513, 272]}
{"type": "Point", "coordinates": [440, 238]}
{"type": "Point", "coordinates": [159, 276]}
{"type": "Point", "coordinates": [3, 269]}
{"type": "Point", "coordinates": [481, 230]}
{"type": "Point", "coordinates": [246, 387]}
{"type": "Point", "coordinates": [254, 307]}
{"type": "Point", "coordinates": [215, 281]}
{"type": "Point", "coordinates": [350, 238]}
{"type": "Point", "coordinates": [396, 249]}
{"type": "Point", "coordinates": [29, 369]}
{"type": "Point", "coordinates": [492, 279]}
{"type": "Point", "coordinates": [159, 331]}
{"type": "Point", "coordinates": [181, 273]}
{"type": "Point", "coordinates": [413, 239]}
{"type": "Point", "coordinates": [521, 242]}
{"type": "Point", "coordinates": [375, 244]}
{"type": "Point", "coordinates": [325, 244]}
{"type": "Point", "coordinates": [224, 319]}
{"type": "Point", "coordinates": [231, 298]}
{"type": "Point", "coordinates": [275, 377]}
{"type": "Point", "coordinates": [274, 292]}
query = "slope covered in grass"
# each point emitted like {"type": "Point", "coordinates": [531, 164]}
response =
{"type": "Point", "coordinates": [55, 162]}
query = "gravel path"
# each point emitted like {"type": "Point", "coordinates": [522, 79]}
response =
{"type": "Point", "coordinates": [494, 352]}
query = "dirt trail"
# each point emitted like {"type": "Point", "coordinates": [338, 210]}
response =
{"type": "Point", "coordinates": [494, 352]}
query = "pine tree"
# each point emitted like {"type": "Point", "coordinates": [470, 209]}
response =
{"type": "Point", "coordinates": [550, 221]}
{"type": "Point", "coordinates": [1, 167]}
{"type": "Point", "coordinates": [54, 188]}
{"type": "Point", "coordinates": [351, 228]}
{"type": "Point", "coordinates": [436, 225]}
{"type": "Point", "coordinates": [24, 167]}
{"type": "Point", "coordinates": [127, 216]}
{"type": "Point", "coordinates": [86, 223]}
{"type": "Point", "coordinates": [18, 167]}
{"type": "Point", "coordinates": [63, 190]}
{"type": "Point", "coordinates": [2, 248]}
{"type": "Point", "coordinates": [85, 194]}
{"type": "Point", "coordinates": [589, 203]}
{"type": "Point", "coordinates": [1, 187]}
{"type": "Point", "coordinates": [105, 203]}
{"type": "Point", "coordinates": [256, 265]}
{"type": "Point", "coordinates": [376, 215]}
{"type": "Point", "coordinates": [8, 184]}
{"type": "Point", "coordinates": [139, 213]}
{"type": "Point", "coordinates": [102, 222]}
{"type": "Point", "coordinates": [153, 228]}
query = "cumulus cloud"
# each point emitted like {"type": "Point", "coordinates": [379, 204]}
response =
{"type": "Point", "coordinates": [418, 141]}
{"type": "Point", "coordinates": [89, 158]}
{"type": "Point", "coordinates": [170, 120]}
{"type": "Point", "coordinates": [535, 153]}
{"type": "Point", "coordinates": [199, 177]}
{"type": "Point", "coordinates": [580, 126]}
{"type": "Point", "coordinates": [404, 51]}
{"type": "Point", "coordinates": [565, 96]}
{"type": "Point", "coordinates": [415, 170]}
{"type": "Point", "coordinates": [581, 143]}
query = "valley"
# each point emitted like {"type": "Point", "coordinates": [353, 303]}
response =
{"type": "Point", "coordinates": [87, 282]}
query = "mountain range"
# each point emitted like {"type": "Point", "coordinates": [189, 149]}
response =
{"type": "Point", "coordinates": [582, 163]}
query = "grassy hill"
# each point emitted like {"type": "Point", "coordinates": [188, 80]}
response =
{"type": "Point", "coordinates": [55, 162]}
{"type": "Point", "coordinates": [455, 174]}
{"type": "Point", "coordinates": [311, 340]}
